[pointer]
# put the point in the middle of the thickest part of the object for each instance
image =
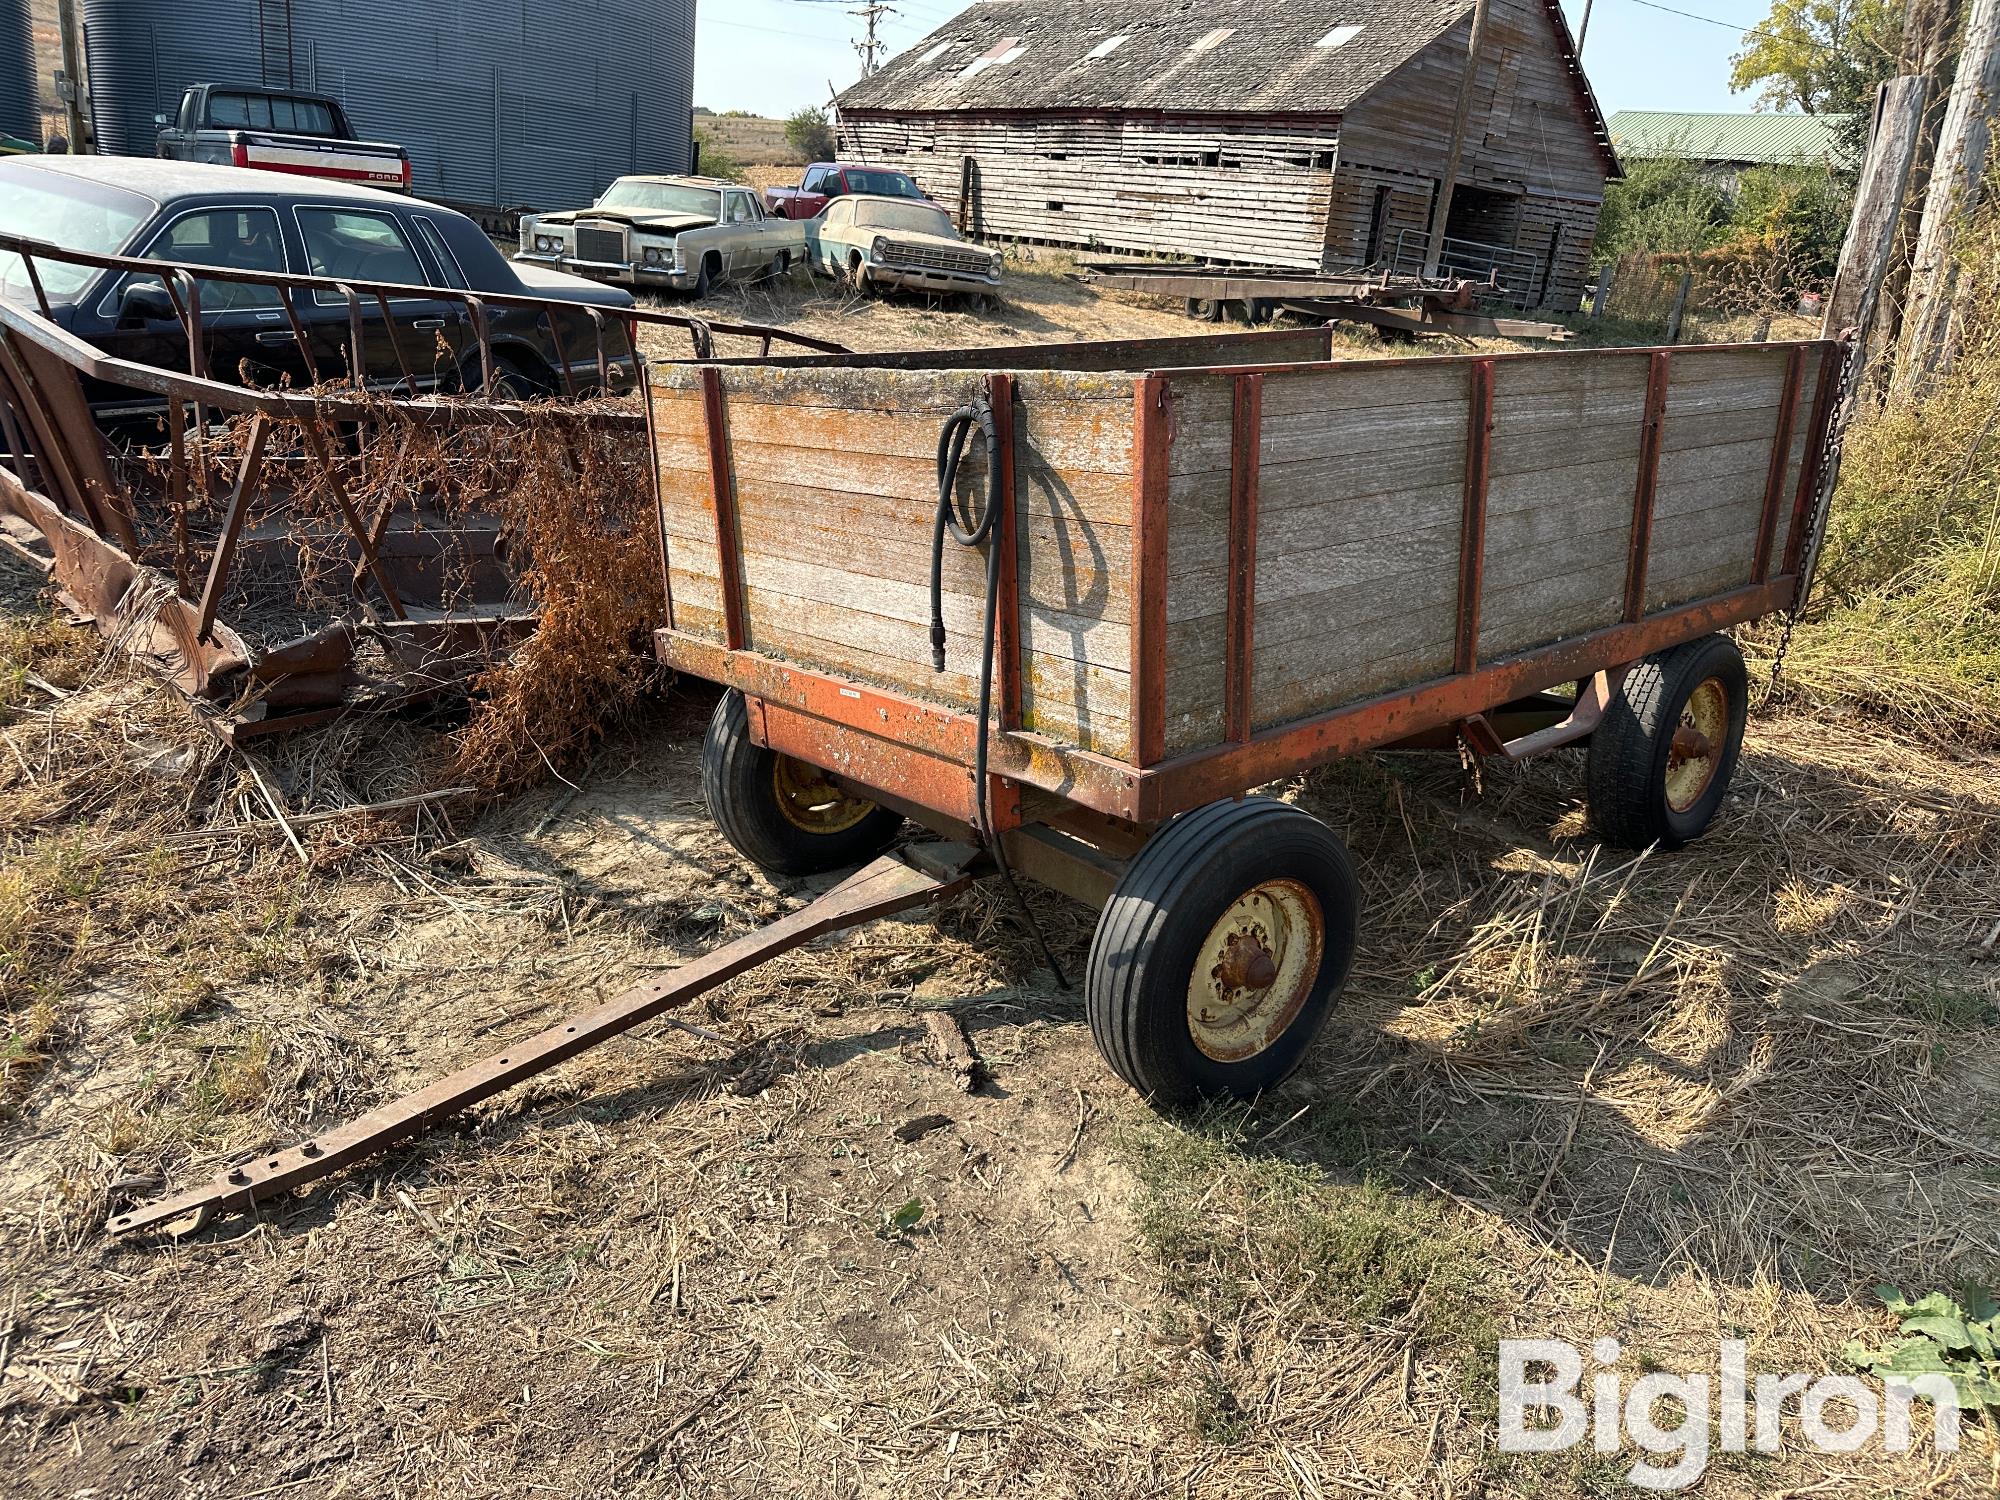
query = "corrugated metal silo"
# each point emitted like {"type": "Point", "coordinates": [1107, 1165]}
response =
{"type": "Point", "coordinates": [20, 115]}
{"type": "Point", "coordinates": [511, 103]}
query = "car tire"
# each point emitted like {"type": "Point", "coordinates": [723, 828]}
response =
{"type": "Point", "coordinates": [705, 278]}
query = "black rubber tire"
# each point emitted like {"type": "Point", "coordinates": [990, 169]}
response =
{"type": "Point", "coordinates": [737, 782]}
{"type": "Point", "coordinates": [1626, 771]}
{"type": "Point", "coordinates": [1150, 936]}
{"type": "Point", "coordinates": [1204, 309]}
{"type": "Point", "coordinates": [705, 278]}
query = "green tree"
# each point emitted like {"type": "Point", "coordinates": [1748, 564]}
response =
{"type": "Point", "coordinates": [1820, 56]}
{"type": "Point", "coordinates": [713, 158]}
{"type": "Point", "coordinates": [1665, 206]}
{"type": "Point", "coordinates": [810, 135]}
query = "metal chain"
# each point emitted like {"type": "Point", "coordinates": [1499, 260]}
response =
{"type": "Point", "coordinates": [1831, 451]}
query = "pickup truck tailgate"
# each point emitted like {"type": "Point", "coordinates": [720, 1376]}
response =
{"type": "Point", "coordinates": [309, 156]}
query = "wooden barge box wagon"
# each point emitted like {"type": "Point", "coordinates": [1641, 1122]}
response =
{"type": "Point", "coordinates": [1175, 571]}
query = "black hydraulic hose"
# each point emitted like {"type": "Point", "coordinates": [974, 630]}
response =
{"type": "Point", "coordinates": [969, 530]}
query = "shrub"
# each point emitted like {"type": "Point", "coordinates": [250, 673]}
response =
{"type": "Point", "coordinates": [810, 135]}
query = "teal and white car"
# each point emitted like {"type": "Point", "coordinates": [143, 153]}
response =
{"type": "Point", "coordinates": [877, 243]}
{"type": "Point", "coordinates": [683, 234]}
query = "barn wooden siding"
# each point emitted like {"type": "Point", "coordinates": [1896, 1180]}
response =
{"type": "Point", "coordinates": [1251, 191]}
{"type": "Point", "coordinates": [1528, 139]}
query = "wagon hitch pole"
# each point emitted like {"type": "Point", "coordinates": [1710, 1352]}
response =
{"type": "Point", "coordinates": [897, 882]}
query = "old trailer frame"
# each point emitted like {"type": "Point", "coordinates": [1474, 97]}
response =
{"type": "Point", "coordinates": [918, 754]}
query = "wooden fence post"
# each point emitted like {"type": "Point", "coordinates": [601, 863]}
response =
{"type": "Point", "coordinates": [1601, 295]}
{"type": "Point", "coordinates": [1679, 312]}
{"type": "Point", "coordinates": [1878, 207]}
{"type": "Point", "coordinates": [1957, 180]}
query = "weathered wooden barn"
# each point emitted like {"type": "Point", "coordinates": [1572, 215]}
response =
{"type": "Point", "coordinates": [1296, 133]}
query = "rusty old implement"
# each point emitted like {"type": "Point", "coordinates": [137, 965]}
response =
{"type": "Point", "coordinates": [280, 552]}
{"type": "Point", "coordinates": [899, 882]}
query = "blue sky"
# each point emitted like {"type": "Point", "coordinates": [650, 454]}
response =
{"type": "Point", "coordinates": [772, 56]}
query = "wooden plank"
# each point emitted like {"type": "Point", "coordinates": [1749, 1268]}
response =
{"type": "Point", "coordinates": [1007, 577]}
{"type": "Point", "coordinates": [1780, 467]}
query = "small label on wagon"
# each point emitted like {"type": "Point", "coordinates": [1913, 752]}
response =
{"type": "Point", "coordinates": [850, 693]}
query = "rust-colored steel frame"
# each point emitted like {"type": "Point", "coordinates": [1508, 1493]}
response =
{"type": "Point", "coordinates": [884, 888]}
{"type": "Point", "coordinates": [922, 752]}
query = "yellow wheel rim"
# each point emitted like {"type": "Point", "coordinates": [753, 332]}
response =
{"type": "Point", "coordinates": [1255, 970]}
{"type": "Point", "coordinates": [1696, 753]}
{"type": "Point", "coordinates": [811, 802]}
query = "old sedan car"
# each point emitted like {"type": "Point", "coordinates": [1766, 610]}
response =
{"type": "Point", "coordinates": [894, 242]}
{"type": "Point", "coordinates": [683, 234]}
{"type": "Point", "coordinates": [239, 219]}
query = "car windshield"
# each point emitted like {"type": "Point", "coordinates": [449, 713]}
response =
{"type": "Point", "coordinates": [661, 198]}
{"type": "Point", "coordinates": [881, 184]}
{"type": "Point", "coordinates": [910, 218]}
{"type": "Point", "coordinates": [101, 223]}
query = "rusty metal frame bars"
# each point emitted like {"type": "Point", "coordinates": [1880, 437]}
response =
{"type": "Point", "coordinates": [1147, 794]}
{"type": "Point", "coordinates": [1432, 361]}
{"type": "Point", "coordinates": [722, 505]}
{"type": "Point", "coordinates": [1781, 463]}
{"type": "Point", "coordinates": [888, 886]}
{"type": "Point", "coordinates": [224, 557]}
{"type": "Point", "coordinates": [1246, 441]}
{"type": "Point", "coordinates": [1152, 440]}
{"type": "Point", "coordinates": [1472, 516]}
{"type": "Point", "coordinates": [1638, 560]}
{"type": "Point", "coordinates": [30, 250]}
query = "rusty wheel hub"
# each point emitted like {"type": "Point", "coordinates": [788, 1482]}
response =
{"type": "Point", "coordinates": [1695, 754]}
{"type": "Point", "coordinates": [811, 802]}
{"type": "Point", "coordinates": [1255, 970]}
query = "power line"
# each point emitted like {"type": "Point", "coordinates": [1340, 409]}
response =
{"type": "Point", "coordinates": [1736, 27]}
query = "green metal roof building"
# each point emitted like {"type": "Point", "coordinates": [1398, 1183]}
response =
{"type": "Point", "coordinates": [1732, 140]}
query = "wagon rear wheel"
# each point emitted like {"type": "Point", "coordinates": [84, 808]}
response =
{"type": "Point", "coordinates": [1221, 951]}
{"type": "Point", "coordinates": [1660, 762]}
{"type": "Point", "coordinates": [783, 814]}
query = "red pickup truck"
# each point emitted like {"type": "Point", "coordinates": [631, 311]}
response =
{"type": "Point", "coordinates": [825, 180]}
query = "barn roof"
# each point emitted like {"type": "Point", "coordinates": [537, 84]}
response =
{"type": "Point", "coordinates": [1175, 56]}
{"type": "Point", "coordinates": [1764, 139]}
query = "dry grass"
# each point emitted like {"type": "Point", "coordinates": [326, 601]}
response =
{"type": "Point", "coordinates": [1569, 1091]}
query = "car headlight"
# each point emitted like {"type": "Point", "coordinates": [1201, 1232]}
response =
{"type": "Point", "coordinates": [654, 255]}
{"type": "Point", "coordinates": [547, 243]}
{"type": "Point", "coordinates": [880, 248]}
{"type": "Point", "coordinates": [997, 264]}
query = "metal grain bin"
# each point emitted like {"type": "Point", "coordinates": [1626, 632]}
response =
{"type": "Point", "coordinates": [20, 115]}
{"type": "Point", "coordinates": [516, 103]}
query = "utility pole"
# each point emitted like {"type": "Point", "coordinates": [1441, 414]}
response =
{"type": "Point", "coordinates": [1441, 210]}
{"type": "Point", "coordinates": [1870, 245]}
{"type": "Point", "coordinates": [1958, 176]}
{"type": "Point", "coordinates": [69, 87]}
{"type": "Point", "coordinates": [871, 47]}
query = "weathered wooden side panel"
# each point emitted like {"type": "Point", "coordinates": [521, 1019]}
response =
{"type": "Point", "coordinates": [1566, 441]}
{"type": "Point", "coordinates": [1254, 191]}
{"type": "Point", "coordinates": [1722, 418]}
{"type": "Point", "coordinates": [833, 484]}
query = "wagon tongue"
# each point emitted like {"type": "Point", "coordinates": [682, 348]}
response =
{"type": "Point", "coordinates": [897, 882]}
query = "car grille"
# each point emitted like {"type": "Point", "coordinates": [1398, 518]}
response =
{"type": "Point", "coordinates": [925, 258]}
{"type": "Point", "coordinates": [594, 242]}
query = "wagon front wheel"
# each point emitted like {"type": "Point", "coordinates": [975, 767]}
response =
{"type": "Point", "coordinates": [1660, 763]}
{"type": "Point", "coordinates": [781, 814]}
{"type": "Point", "coordinates": [1220, 953]}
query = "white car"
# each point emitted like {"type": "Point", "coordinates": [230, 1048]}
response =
{"type": "Point", "coordinates": [880, 242]}
{"type": "Point", "coordinates": [681, 233]}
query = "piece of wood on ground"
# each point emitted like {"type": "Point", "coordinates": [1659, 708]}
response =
{"type": "Point", "coordinates": [953, 1049]}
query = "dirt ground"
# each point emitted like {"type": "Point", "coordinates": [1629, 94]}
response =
{"type": "Point", "coordinates": [771, 1248]}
